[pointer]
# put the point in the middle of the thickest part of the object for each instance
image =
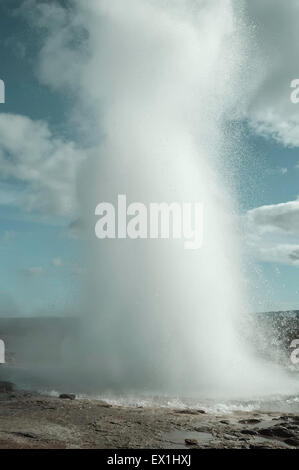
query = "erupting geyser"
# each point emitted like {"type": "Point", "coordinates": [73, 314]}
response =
{"type": "Point", "coordinates": [164, 78]}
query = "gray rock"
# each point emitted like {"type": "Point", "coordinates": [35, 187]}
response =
{"type": "Point", "coordinates": [67, 396]}
{"type": "Point", "coordinates": [187, 412]}
{"type": "Point", "coordinates": [24, 434]}
{"type": "Point", "coordinates": [250, 432]}
{"type": "Point", "coordinates": [293, 441]}
{"type": "Point", "coordinates": [250, 421]}
{"type": "Point", "coordinates": [6, 386]}
{"type": "Point", "coordinates": [293, 427]}
{"type": "Point", "coordinates": [104, 404]}
{"type": "Point", "coordinates": [191, 442]}
{"type": "Point", "coordinates": [276, 431]}
{"type": "Point", "coordinates": [261, 445]}
{"type": "Point", "coordinates": [229, 437]}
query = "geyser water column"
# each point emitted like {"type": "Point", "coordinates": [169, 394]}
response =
{"type": "Point", "coordinates": [163, 78]}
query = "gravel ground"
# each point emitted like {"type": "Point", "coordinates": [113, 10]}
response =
{"type": "Point", "coordinates": [35, 421]}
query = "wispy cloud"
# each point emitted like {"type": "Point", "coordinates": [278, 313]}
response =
{"type": "Point", "coordinates": [34, 271]}
{"type": "Point", "coordinates": [270, 110]}
{"type": "Point", "coordinates": [272, 232]}
{"type": "Point", "coordinates": [277, 171]}
{"type": "Point", "coordinates": [38, 170]}
{"type": "Point", "coordinates": [57, 262]}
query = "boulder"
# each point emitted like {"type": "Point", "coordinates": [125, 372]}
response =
{"type": "Point", "coordinates": [67, 396]}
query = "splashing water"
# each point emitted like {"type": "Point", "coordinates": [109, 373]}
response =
{"type": "Point", "coordinates": [164, 79]}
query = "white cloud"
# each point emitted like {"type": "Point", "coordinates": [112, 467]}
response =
{"type": "Point", "coordinates": [283, 217]}
{"type": "Point", "coordinates": [270, 58]}
{"type": "Point", "coordinates": [274, 123]}
{"type": "Point", "coordinates": [34, 271]}
{"type": "Point", "coordinates": [276, 38]}
{"type": "Point", "coordinates": [277, 171]}
{"type": "Point", "coordinates": [63, 43]}
{"type": "Point", "coordinates": [272, 232]}
{"type": "Point", "coordinates": [38, 170]}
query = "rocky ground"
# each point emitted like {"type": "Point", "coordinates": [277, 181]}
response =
{"type": "Point", "coordinates": [31, 420]}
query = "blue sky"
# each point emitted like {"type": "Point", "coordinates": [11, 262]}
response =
{"type": "Point", "coordinates": [41, 265]}
{"type": "Point", "coordinates": [29, 240]}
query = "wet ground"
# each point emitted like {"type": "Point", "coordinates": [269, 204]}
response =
{"type": "Point", "coordinates": [33, 420]}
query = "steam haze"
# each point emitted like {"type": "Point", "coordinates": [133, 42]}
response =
{"type": "Point", "coordinates": [162, 80]}
{"type": "Point", "coordinates": [161, 92]}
